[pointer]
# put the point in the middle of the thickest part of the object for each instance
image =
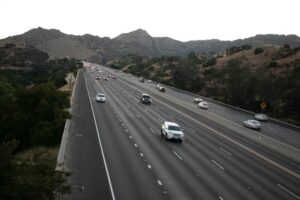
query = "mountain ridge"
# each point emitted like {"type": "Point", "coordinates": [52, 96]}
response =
{"type": "Point", "coordinates": [102, 49]}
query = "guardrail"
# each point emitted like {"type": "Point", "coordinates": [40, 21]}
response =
{"type": "Point", "coordinates": [236, 108]}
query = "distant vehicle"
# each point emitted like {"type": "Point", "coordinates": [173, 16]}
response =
{"type": "Point", "coordinates": [171, 130]}
{"type": "Point", "coordinates": [261, 117]}
{"type": "Point", "coordinates": [253, 124]}
{"type": "Point", "coordinates": [142, 79]}
{"type": "Point", "coordinates": [158, 86]}
{"type": "Point", "coordinates": [203, 105]}
{"type": "Point", "coordinates": [197, 100]}
{"type": "Point", "coordinates": [149, 81]}
{"type": "Point", "coordinates": [114, 77]}
{"type": "Point", "coordinates": [162, 89]}
{"type": "Point", "coordinates": [145, 99]}
{"type": "Point", "coordinates": [100, 98]}
{"type": "Point", "coordinates": [98, 77]}
{"type": "Point", "coordinates": [105, 78]}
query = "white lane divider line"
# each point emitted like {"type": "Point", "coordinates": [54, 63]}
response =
{"type": "Point", "coordinates": [100, 145]}
{"type": "Point", "coordinates": [221, 198]}
{"type": "Point", "coordinates": [159, 182]}
{"type": "Point", "coordinates": [177, 155]}
{"type": "Point", "coordinates": [291, 193]}
{"type": "Point", "coordinates": [152, 131]}
{"type": "Point", "coordinates": [149, 166]}
{"type": "Point", "coordinates": [226, 151]}
{"type": "Point", "coordinates": [220, 166]}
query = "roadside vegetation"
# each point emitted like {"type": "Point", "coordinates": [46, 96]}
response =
{"type": "Point", "coordinates": [32, 116]}
{"type": "Point", "coordinates": [242, 76]}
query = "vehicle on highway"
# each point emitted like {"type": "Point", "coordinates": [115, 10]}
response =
{"type": "Point", "coordinates": [203, 105]}
{"type": "Point", "coordinates": [253, 124]}
{"type": "Point", "coordinates": [98, 78]}
{"type": "Point", "coordinates": [162, 89]}
{"type": "Point", "coordinates": [261, 117]}
{"type": "Point", "coordinates": [142, 79]}
{"type": "Point", "coordinates": [145, 99]}
{"type": "Point", "coordinates": [100, 98]}
{"type": "Point", "coordinates": [114, 77]}
{"type": "Point", "coordinates": [171, 130]}
{"type": "Point", "coordinates": [149, 81]}
{"type": "Point", "coordinates": [197, 100]}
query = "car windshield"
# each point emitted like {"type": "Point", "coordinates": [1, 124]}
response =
{"type": "Point", "coordinates": [174, 128]}
{"type": "Point", "coordinates": [146, 97]}
{"type": "Point", "coordinates": [100, 95]}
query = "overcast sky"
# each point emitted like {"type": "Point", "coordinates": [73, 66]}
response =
{"type": "Point", "coordinates": [179, 19]}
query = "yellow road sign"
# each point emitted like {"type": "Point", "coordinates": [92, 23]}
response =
{"type": "Point", "coordinates": [263, 105]}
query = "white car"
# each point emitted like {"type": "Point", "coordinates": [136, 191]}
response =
{"type": "Point", "coordinates": [171, 130]}
{"type": "Point", "coordinates": [149, 81]}
{"type": "Point", "coordinates": [253, 124]}
{"type": "Point", "coordinates": [100, 98]}
{"type": "Point", "coordinates": [197, 100]}
{"type": "Point", "coordinates": [203, 105]}
{"type": "Point", "coordinates": [261, 117]}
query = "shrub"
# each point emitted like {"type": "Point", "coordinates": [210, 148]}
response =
{"type": "Point", "coordinates": [258, 50]}
{"type": "Point", "coordinates": [272, 64]}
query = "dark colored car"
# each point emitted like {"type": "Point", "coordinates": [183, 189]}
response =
{"type": "Point", "coordinates": [145, 99]}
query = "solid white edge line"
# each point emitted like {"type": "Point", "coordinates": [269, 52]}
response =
{"type": "Point", "coordinates": [291, 193]}
{"type": "Point", "coordinates": [266, 159]}
{"type": "Point", "coordinates": [220, 166]}
{"type": "Point", "coordinates": [101, 148]}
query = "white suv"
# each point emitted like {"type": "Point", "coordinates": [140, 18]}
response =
{"type": "Point", "coordinates": [171, 130]}
{"type": "Point", "coordinates": [100, 98]}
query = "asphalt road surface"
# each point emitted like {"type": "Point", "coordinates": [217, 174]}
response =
{"type": "Point", "coordinates": [115, 150]}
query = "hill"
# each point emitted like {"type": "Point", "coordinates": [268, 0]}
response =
{"type": "Point", "coordinates": [139, 42]}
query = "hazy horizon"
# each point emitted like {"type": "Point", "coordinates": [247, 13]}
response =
{"type": "Point", "coordinates": [181, 20]}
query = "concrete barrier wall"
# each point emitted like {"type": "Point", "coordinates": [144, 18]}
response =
{"type": "Point", "coordinates": [64, 139]}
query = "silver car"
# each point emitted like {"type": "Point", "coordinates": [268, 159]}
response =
{"type": "Point", "coordinates": [253, 124]}
{"type": "Point", "coordinates": [197, 100]}
{"type": "Point", "coordinates": [171, 130]}
{"type": "Point", "coordinates": [261, 117]}
{"type": "Point", "coordinates": [203, 105]}
{"type": "Point", "coordinates": [100, 98]}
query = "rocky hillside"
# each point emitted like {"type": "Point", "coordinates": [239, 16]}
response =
{"type": "Point", "coordinates": [139, 42]}
{"type": "Point", "coordinates": [244, 77]}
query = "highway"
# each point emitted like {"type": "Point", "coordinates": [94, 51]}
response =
{"type": "Point", "coordinates": [115, 150]}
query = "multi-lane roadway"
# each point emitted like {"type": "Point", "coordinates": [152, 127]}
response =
{"type": "Point", "coordinates": [115, 149]}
